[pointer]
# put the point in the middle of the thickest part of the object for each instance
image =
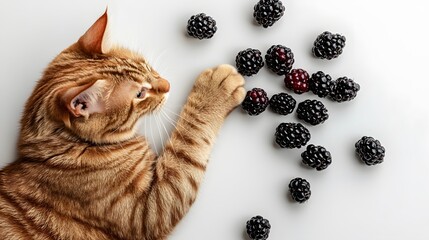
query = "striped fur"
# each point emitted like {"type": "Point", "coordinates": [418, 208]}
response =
{"type": "Point", "coordinates": [92, 177]}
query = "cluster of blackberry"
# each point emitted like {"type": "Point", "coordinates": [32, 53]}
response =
{"type": "Point", "coordinates": [341, 90]}
{"type": "Point", "coordinates": [256, 102]}
{"type": "Point", "coordinates": [280, 59]}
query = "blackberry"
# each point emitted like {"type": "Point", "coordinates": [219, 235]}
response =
{"type": "Point", "coordinates": [201, 26]}
{"type": "Point", "coordinates": [258, 228]}
{"type": "Point", "coordinates": [344, 89]}
{"type": "Point", "coordinates": [320, 84]}
{"type": "Point", "coordinates": [249, 61]}
{"type": "Point", "coordinates": [255, 102]}
{"type": "Point", "coordinates": [312, 111]}
{"type": "Point", "coordinates": [292, 135]}
{"type": "Point", "coordinates": [328, 45]}
{"type": "Point", "coordinates": [267, 12]}
{"type": "Point", "coordinates": [316, 157]}
{"type": "Point", "coordinates": [300, 189]}
{"type": "Point", "coordinates": [282, 103]}
{"type": "Point", "coordinates": [279, 59]}
{"type": "Point", "coordinates": [297, 80]}
{"type": "Point", "coordinates": [370, 151]}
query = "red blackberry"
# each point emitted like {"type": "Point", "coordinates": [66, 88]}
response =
{"type": "Point", "coordinates": [292, 135]}
{"type": "Point", "coordinates": [201, 26]}
{"type": "Point", "coordinates": [328, 45]}
{"type": "Point", "coordinates": [258, 228]}
{"type": "Point", "coordinates": [316, 157]}
{"type": "Point", "coordinates": [370, 151]}
{"type": "Point", "coordinates": [255, 102]}
{"type": "Point", "coordinates": [279, 59]}
{"type": "Point", "coordinates": [297, 80]}
{"type": "Point", "coordinates": [312, 111]}
{"type": "Point", "coordinates": [249, 61]}
{"type": "Point", "coordinates": [267, 12]}
{"type": "Point", "coordinates": [300, 189]}
{"type": "Point", "coordinates": [344, 89]}
{"type": "Point", "coordinates": [282, 103]}
{"type": "Point", "coordinates": [320, 84]}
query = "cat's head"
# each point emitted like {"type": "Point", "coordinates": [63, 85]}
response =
{"type": "Point", "coordinates": [95, 91]}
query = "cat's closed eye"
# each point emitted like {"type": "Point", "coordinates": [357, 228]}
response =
{"type": "Point", "coordinates": [141, 93]}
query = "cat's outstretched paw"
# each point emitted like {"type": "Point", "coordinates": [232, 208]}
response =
{"type": "Point", "coordinates": [222, 86]}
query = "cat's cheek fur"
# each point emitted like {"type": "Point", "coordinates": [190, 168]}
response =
{"type": "Point", "coordinates": [152, 102]}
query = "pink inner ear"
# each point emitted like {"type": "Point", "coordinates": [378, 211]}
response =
{"type": "Point", "coordinates": [88, 101]}
{"type": "Point", "coordinates": [93, 41]}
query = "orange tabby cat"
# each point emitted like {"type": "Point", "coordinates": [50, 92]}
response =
{"type": "Point", "coordinates": [82, 171]}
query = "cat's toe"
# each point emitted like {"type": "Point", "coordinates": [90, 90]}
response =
{"type": "Point", "coordinates": [203, 80]}
{"type": "Point", "coordinates": [227, 78]}
{"type": "Point", "coordinates": [238, 95]}
{"type": "Point", "coordinates": [222, 72]}
{"type": "Point", "coordinates": [232, 83]}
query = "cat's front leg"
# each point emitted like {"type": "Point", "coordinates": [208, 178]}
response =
{"type": "Point", "coordinates": [181, 167]}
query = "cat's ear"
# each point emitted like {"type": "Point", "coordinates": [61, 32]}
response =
{"type": "Point", "coordinates": [96, 39]}
{"type": "Point", "coordinates": [82, 101]}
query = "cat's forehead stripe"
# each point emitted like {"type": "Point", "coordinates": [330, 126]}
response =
{"type": "Point", "coordinates": [125, 69]}
{"type": "Point", "coordinates": [146, 67]}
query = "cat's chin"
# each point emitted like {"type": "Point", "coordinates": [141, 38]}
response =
{"type": "Point", "coordinates": [160, 104]}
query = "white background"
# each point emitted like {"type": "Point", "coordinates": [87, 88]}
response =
{"type": "Point", "coordinates": [386, 53]}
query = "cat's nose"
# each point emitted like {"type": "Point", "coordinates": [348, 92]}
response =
{"type": "Point", "coordinates": [161, 85]}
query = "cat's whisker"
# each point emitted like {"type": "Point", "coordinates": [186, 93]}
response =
{"type": "Point", "coordinates": [146, 133]}
{"type": "Point", "coordinates": [158, 121]}
{"type": "Point", "coordinates": [197, 109]}
{"type": "Point", "coordinates": [175, 114]}
{"type": "Point", "coordinates": [169, 136]}
{"type": "Point", "coordinates": [145, 126]}
{"type": "Point", "coordinates": [153, 138]}
{"type": "Point", "coordinates": [181, 127]}
{"type": "Point", "coordinates": [162, 117]}
{"type": "Point", "coordinates": [169, 120]}
{"type": "Point", "coordinates": [174, 122]}
{"type": "Point", "coordinates": [180, 117]}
